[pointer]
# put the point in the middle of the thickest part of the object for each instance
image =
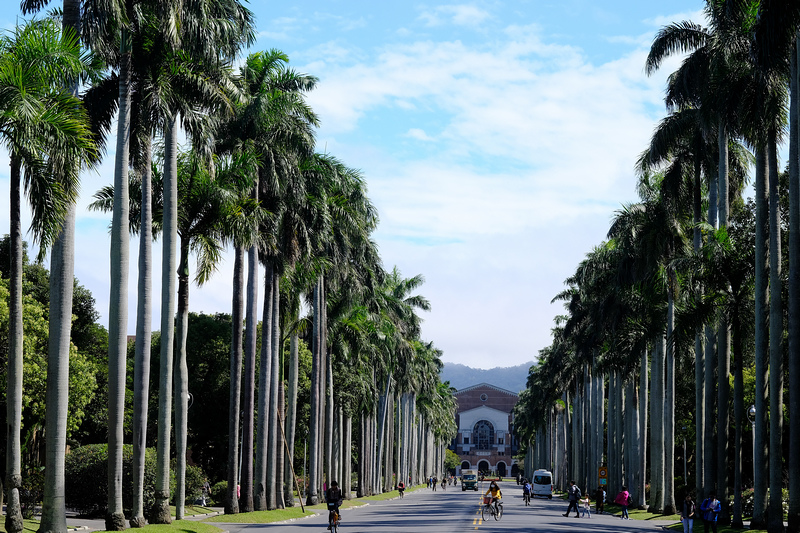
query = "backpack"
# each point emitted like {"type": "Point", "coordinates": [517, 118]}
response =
{"type": "Point", "coordinates": [578, 493]}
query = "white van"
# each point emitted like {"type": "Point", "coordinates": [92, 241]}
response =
{"type": "Point", "coordinates": [542, 484]}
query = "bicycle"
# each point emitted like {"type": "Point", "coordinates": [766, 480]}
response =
{"type": "Point", "coordinates": [527, 497]}
{"type": "Point", "coordinates": [333, 519]}
{"type": "Point", "coordinates": [496, 513]}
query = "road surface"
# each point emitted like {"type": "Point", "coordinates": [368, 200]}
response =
{"type": "Point", "coordinates": [452, 510]}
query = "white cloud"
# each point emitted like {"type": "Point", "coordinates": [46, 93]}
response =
{"type": "Point", "coordinates": [458, 14]}
{"type": "Point", "coordinates": [419, 134]}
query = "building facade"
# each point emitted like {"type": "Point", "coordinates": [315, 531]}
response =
{"type": "Point", "coordinates": [485, 420]}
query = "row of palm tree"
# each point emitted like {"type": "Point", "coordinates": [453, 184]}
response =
{"type": "Point", "coordinates": [692, 269]}
{"type": "Point", "coordinates": [251, 179]}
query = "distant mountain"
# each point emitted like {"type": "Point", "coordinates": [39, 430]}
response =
{"type": "Point", "coordinates": [512, 378]}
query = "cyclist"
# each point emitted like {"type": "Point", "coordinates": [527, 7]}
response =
{"type": "Point", "coordinates": [494, 489]}
{"type": "Point", "coordinates": [401, 488]}
{"type": "Point", "coordinates": [334, 498]}
{"type": "Point", "coordinates": [526, 489]}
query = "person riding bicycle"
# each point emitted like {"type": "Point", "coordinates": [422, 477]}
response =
{"type": "Point", "coordinates": [526, 488]}
{"type": "Point", "coordinates": [400, 488]}
{"type": "Point", "coordinates": [333, 496]}
{"type": "Point", "coordinates": [494, 489]}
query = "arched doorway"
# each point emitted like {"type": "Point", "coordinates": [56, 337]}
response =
{"type": "Point", "coordinates": [483, 465]}
{"type": "Point", "coordinates": [465, 465]}
{"type": "Point", "coordinates": [501, 469]}
{"type": "Point", "coordinates": [483, 435]}
{"type": "Point", "coordinates": [514, 470]}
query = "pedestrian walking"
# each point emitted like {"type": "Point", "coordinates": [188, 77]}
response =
{"type": "Point", "coordinates": [586, 510]}
{"type": "Point", "coordinates": [687, 514]}
{"type": "Point", "coordinates": [709, 510]}
{"type": "Point", "coordinates": [573, 495]}
{"type": "Point", "coordinates": [623, 499]}
{"type": "Point", "coordinates": [600, 500]}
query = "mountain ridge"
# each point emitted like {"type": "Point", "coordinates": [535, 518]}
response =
{"type": "Point", "coordinates": [512, 378]}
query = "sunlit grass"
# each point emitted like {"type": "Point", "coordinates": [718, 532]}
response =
{"type": "Point", "coordinates": [28, 526]}
{"type": "Point", "coordinates": [261, 517]}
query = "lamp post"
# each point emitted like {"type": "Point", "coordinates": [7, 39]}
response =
{"type": "Point", "coordinates": [751, 415]}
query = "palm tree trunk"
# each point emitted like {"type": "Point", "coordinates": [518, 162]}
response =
{"type": "Point", "coordinates": [669, 406]}
{"type": "Point", "coordinates": [118, 299]}
{"type": "Point", "coordinates": [274, 376]}
{"type": "Point", "coordinates": [291, 416]}
{"type": "Point", "coordinates": [14, 369]}
{"type": "Point", "coordinates": [263, 455]}
{"type": "Point", "coordinates": [657, 428]}
{"type": "Point", "coordinates": [313, 429]}
{"type": "Point", "coordinates": [710, 341]}
{"type": "Point", "coordinates": [794, 294]}
{"type": "Point", "coordinates": [761, 340]}
{"type": "Point", "coordinates": [642, 464]}
{"type": "Point", "coordinates": [775, 512]}
{"type": "Point", "coordinates": [62, 279]}
{"type": "Point", "coordinates": [144, 311]}
{"type": "Point", "coordinates": [329, 418]}
{"type": "Point", "coordinates": [181, 380]}
{"type": "Point", "coordinates": [248, 407]}
{"type": "Point", "coordinates": [348, 465]}
{"type": "Point", "coordinates": [739, 422]}
{"type": "Point", "coordinates": [699, 359]}
{"type": "Point", "coordinates": [161, 512]}
{"type": "Point", "coordinates": [237, 322]}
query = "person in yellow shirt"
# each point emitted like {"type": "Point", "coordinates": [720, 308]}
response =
{"type": "Point", "coordinates": [495, 492]}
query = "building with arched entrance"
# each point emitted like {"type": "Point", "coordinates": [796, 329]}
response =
{"type": "Point", "coordinates": [485, 419]}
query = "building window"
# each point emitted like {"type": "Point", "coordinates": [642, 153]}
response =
{"type": "Point", "coordinates": [500, 440]}
{"type": "Point", "coordinates": [466, 440]}
{"type": "Point", "coordinates": [484, 397]}
{"type": "Point", "coordinates": [484, 434]}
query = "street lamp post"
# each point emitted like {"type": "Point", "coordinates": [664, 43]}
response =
{"type": "Point", "coordinates": [751, 415]}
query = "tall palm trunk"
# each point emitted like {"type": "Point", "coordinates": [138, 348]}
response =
{"type": "Point", "coordinates": [14, 371]}
{"type": "Point", "coordinates": [141, 378]}
{"type": "Point", "coordinates": [657, 427]}
{"type": "Point", "coordinates": [248, 407]}
{"type": "Point", "coordinates": [723, 347]}
{"type": "Point", "coordinates": [710, 358]}
{"type": "Point", "coordinates": [669, 404]}
{"type": "Point", "coordinates": [775, 513]}
{"type": "Point", "coordinates": [794, 294]}
{"type": "Point", "coordinates": [699, 358]}
{"type": "Point", "coordinates": [761, 467]}
{"type": "Point", "coordinates": [274, 392]}
{"type": "Point", "coordinates": [643, 375]}
{"type": "Point", "coordinates": [263, 455]}
{"type": "Point", "coordinates": [161, 512]}
{"type": "Point", "coordinates": [181, 380]}
{"type": "Point", "coordinates": [740, 423]}
{"type": "Point", "coordinates": [237, 322]}
{"type": "Point", "coordinates": [62, 279]}
{"type": "Point", "coordinates": [291, 417]}
{"type": "Point", "coordinates": [313, 427]}
{"type": "Point", "coordinates": [118, 300]}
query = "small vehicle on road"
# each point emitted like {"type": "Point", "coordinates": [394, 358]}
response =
{"type": "Point", "coordinates": [543, 484]}
{"type": "Point", "coordinates": [469, 480]}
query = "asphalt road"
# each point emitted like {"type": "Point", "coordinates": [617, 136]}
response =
{"type": "Point", "coordinates": [452, 510]}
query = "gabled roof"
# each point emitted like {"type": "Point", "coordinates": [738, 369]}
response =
{"type": "Point", "coordinates": [486, 385]}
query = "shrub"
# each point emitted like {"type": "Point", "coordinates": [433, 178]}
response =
{"type": "Point", "coordinates": [194, 483]}
{"type": "Point", "coordinates": [86, 485]}
{"type": "Point", "coordinates": [219, 491]}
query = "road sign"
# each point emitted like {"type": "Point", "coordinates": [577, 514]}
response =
{"type": "Point", "coordinates": [603, 472]}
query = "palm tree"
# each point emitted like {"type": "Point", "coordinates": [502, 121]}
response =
{"type": "Point", "coordinates": [44, 127]}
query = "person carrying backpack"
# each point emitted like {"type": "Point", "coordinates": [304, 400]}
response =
{"type": "Point", "coordinates": [573, 495]}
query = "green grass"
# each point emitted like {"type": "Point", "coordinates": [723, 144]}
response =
{"type": "Point", "coordinates": [189, 510]}
{"type": "Point", "coordinates": [182, 526]}
{"type": "Point", "coordinates": [720, 528]}
{"type": "Point", "coordinates": [261, 517]}
{"type": "Point", "coordinates": [28, 525]}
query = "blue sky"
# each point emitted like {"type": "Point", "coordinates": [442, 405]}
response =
{"type": "Point", "coordinates": [497, 140]}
